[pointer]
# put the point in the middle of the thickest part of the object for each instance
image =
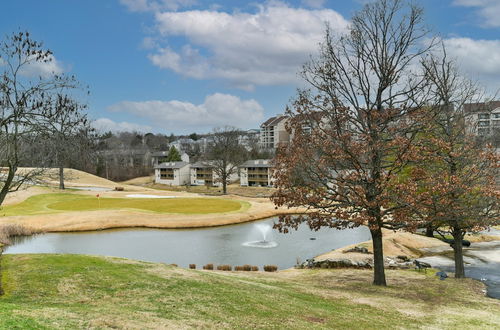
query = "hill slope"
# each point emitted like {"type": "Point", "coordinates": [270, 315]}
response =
{"type": "Point", "coordinates": [72, 291]}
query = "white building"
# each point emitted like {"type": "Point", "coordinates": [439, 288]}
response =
{"type": "Point", "coordinates": [484, 118]}
{"type": "Point", "coordinates": [256, 172]}
{"type": "Point", "coordinates": [273, 132]}
{"type": "Point", "coordinates": [172, 173]}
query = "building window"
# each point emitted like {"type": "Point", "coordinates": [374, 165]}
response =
{"type": "Point", "coordinates": [483, 123]}
{"type": "Point", "coordinates": [483, 131]}
{"type": "Point", "coordinates": [484, 116]}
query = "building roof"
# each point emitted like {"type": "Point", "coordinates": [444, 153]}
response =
{"type": "Point", "coordinates": [205, 164]}
{"type": "Point", "coordinates": [481, 107]}
{"type": "Point", "coordinates": [172, 165]}
{"type": "Point", "coordinates": [273, 121]}
{"type": "Point", "coordinates": [257, 163]}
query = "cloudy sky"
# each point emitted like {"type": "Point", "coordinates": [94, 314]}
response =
{"type": "Point", "coordinates": [181, 66]}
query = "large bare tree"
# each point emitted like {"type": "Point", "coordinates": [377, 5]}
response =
{"type": "Point", "coordinates": [25, 101]}
{"type": "Point", "coordinates": [353, 128]}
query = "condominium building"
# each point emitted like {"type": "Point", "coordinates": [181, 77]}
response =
{"type": "Point", "coordinates": [256, 172]}
{"type": "Point", "coordinates": [484, 118]}
{"type": "Point", "coordinates": [172, 173]}
{"type": "Point", "coordinates": [273, 132]}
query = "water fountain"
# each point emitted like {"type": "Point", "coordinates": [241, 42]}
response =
{"type": "Point", "coordinates": [264, 229]}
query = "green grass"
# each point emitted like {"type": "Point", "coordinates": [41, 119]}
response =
{"type": "Point", "coordinates": [63, 202]}
{"type": "Point", "coordinates": [74, 291]}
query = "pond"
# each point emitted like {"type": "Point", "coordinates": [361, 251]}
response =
{"type": "Point", "coordinates": [254, 243]}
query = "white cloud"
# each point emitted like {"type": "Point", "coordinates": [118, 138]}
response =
{"type": "Point", "coordinates": [40, 69]}
{"type": "Point", "coordinates": [479, 58]}
{"type": "Point", "coordinates": [216, 110]}
{"type": "Point", "coordinates": [488, 10]}
{"type": "Point", "coordinates": [262, 48]}
{"type": "Point", "coordinates": [105, 125]}
{"type": "Point", "coordinates": [156, 5]}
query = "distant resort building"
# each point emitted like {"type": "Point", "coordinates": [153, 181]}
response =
{"type": "Point", "coordinates": [172, 173]}
{"type": "Point", "coordinates": [273, 132]}
{"type": "Point", "coordinates": [256, 172]}
{"type": "Point", "coordinates": [202, 174]}
{"type": "Point", "coordinates": [484, 117]}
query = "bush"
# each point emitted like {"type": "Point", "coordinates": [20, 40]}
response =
{"type": "Point", "coordinates": [209, 267]}
{"type": "Point", "coordinates": [247, 268]}
{"type": "Point", "coordinates": [119, 188]}
{"type": "Point", "coordinates": [192, 266]}
{"type": "Point", "coordinates": [225, 267]}
{"type": "Point", "coordinates": [270, 268]}
{"type": "Point", "coordinates": [255, 268]}
{"type": "Point", "coordinates": [238, 268]}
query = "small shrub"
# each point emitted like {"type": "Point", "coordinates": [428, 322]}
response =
{"type": "Point", "coordinates": [119, 188]}
{"type": "Point", "coordinates": [255, 268]}
{"type": "Point", "coordinates": [238, 268]}
{"type": "Point", "coordinates": [174, 265]}
{"type": "Point", "coordinates": [247, 268]}
{"type": "Point", "coordinates": [209, 267]}
{"type": "Point", "coordinates": [192, 266]}
{"type": "Point", "coordinates": [224, 267]}
{"type": "Point", "coordinates": [270, 268]}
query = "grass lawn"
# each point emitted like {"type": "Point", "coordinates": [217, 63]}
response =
{"type": "Point", "coordinates": [63, 202]}
{"type": "Point", "coordinates": [73, 291]}
{"type": "Point", "coordinates": [234, 189]}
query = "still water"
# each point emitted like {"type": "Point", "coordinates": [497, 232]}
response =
{"type": "Point", "coordinates": [233, 245]}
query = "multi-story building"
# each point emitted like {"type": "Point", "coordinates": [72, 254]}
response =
{"type": "Point", "coordinates": [172, 173]}
{"type": "Point", "coordinates": [273, 132]}
{"type": "Point", "coordinates": [203, 173]}
{"type": "Point", "coordinates": [484, 118]}
{"type": "Point", "coordinates": [256, 172]}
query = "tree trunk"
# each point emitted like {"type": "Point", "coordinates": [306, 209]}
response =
{"type": "Point", "coordinates": [7, 183]}
{"type": "Point", "coordinates": [378, 257]}
{"type": "Point", "coordinates": [61, 177]}
{"type": "Point", "coordinates": [429, 231]}
{"type": "Point", "coordinates": [458, 254]}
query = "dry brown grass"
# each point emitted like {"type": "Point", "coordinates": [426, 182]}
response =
{"type": "Point", "coordinates": [11, 230]}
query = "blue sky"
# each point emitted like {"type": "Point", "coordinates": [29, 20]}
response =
{"type": "Point", "coordinates": [181, 66]}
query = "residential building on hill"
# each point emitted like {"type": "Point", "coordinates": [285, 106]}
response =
{"type": "Point", "coordinates": [203, 173]}
{"type": "Point", "coordinates": [273, 132]}
{"type": "Point", "coordinates": [257, 172]}
{"type": "Point", "coordinates": [484, 117]}
{"type": "Point", "coordinates": [172, 173]}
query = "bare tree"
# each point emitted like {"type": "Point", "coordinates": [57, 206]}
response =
{"type": "Point", "coordinates": [225, 154]}
{"type": "Point", "coordinates": [352, 130]}
{"type": "Point", "coordinates": [24, 103]}
{"type": "Point", "coordinates": [66, 125]}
